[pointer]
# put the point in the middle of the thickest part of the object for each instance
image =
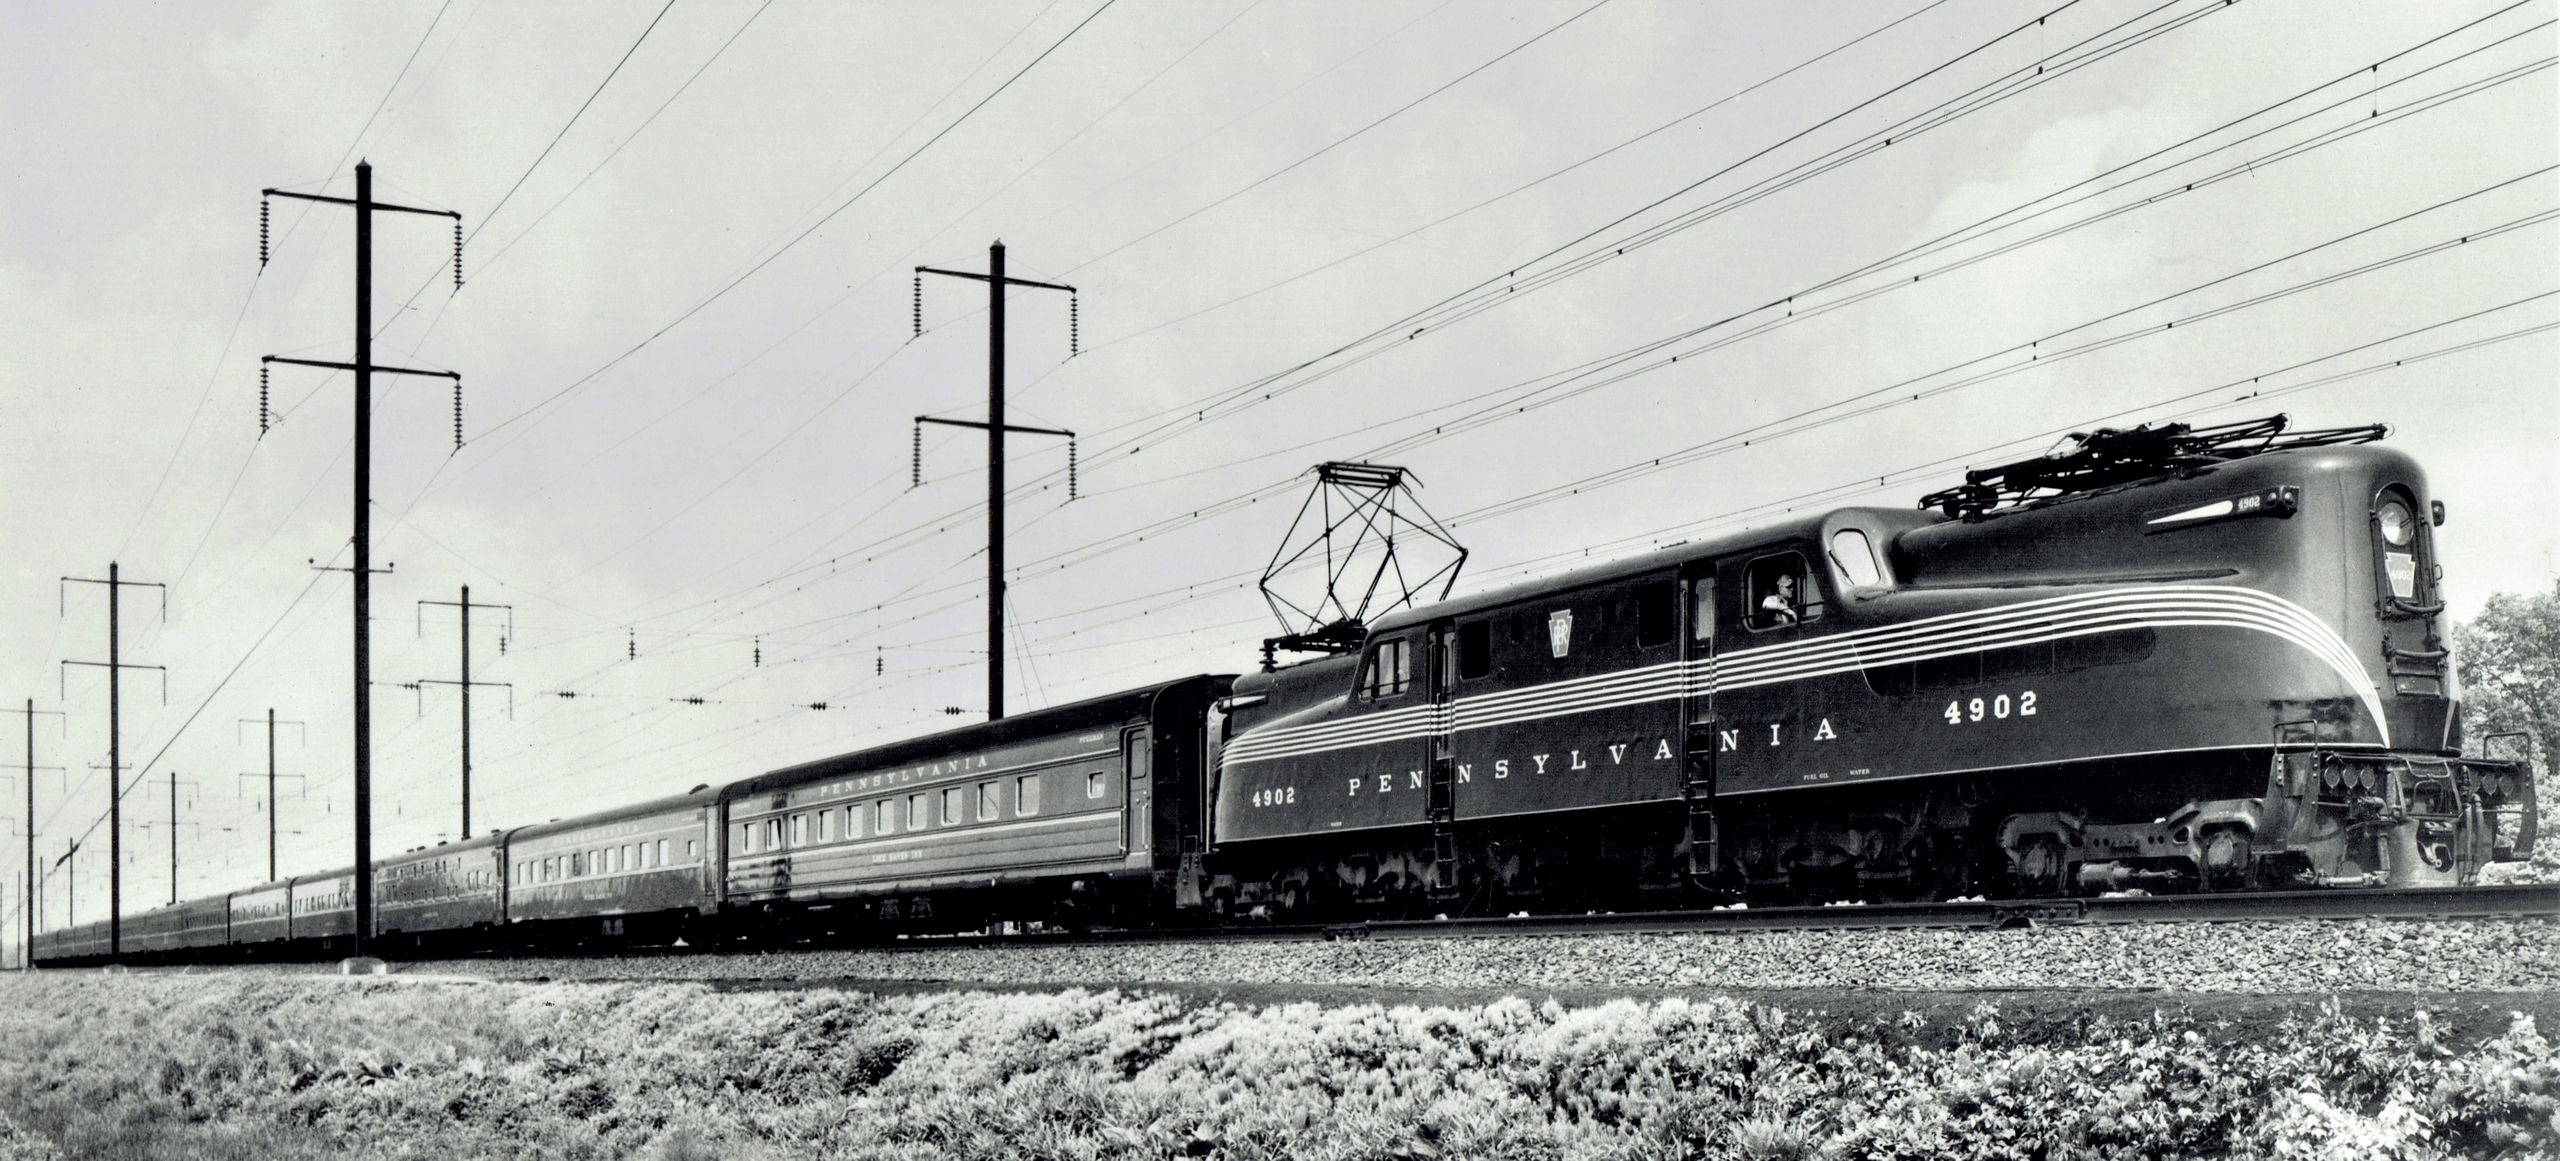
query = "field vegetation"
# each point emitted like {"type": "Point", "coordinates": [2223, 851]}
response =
{"type": "Point", "coordinates": [168, 1065]}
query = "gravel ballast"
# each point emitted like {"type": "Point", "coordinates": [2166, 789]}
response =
{"type": "Point", "coordinates": [2272, 958]}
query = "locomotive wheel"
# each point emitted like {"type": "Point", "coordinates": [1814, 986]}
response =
{"type": "Point", "coordinates": [2040, 866]}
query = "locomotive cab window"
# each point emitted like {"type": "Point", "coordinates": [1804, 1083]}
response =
{"type": "Point", "coordinates": [1657, 608]}
{"type": "Point", "coordinates": [1780, 592]}
{"type": "Point", "coordinates": [1475, 649]}
{"type": "Point", "coordinates": [1389, 669]}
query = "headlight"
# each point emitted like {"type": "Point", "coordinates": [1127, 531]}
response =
{"type": "Point", "coordinates": [2398, 526]}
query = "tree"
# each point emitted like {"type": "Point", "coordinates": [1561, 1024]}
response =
{"type": "Point", "coordinates": [2510, 665]}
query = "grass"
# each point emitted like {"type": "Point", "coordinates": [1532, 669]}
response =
{"type": "Point", "coordinates": [219, 1066]}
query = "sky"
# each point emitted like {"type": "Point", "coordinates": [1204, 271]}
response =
{"type": "Point", "coordinates": [1603, 276]}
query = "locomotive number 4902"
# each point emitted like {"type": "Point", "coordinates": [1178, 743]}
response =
{"type": "Point", "coordinates": [1276, 796]}
{"type": "Point", "coordinates": [1960, 711]}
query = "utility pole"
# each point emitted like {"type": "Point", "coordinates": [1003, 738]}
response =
{"type": "Point", "coordinates": [363, 369]}
{"type": "Point", "coordinates": [70, 886]}
{"type": "Point", "coordinates": [465, 604]}
{"type": "Point", "coordinates": [995, 428]}
{"type": "Point", "coordinates": [115, 668]}
{"type": "Point", "coordinates": [173, 836]}
{"type": "Point", "coordinates": [271, 781]}
{"type": "Point", "coordinates": [32, 902]}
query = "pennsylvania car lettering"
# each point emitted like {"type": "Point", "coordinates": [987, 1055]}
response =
{"type": "Point", "coordinates": [961, 768]}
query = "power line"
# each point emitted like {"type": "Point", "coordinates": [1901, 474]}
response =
{"type": "Point", "coordinates": [1345, 139]}
{"type": "Point", "coordinates": [492, 213]}
{"type": "Point", "coordinates": [768, 260]}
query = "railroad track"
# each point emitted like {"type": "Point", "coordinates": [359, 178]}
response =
{"type": "Point", "coordinates": [2499, 901]}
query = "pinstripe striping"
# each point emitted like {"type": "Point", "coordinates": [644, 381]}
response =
{"type": "Point", "coordinates": [1929, 638]}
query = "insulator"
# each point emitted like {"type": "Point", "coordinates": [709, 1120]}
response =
{"type": "Point", "coordinates": [1071, 467]}
{"type": "Point", "coordinates": [759, 652]}
{"type": "Point", "coordinates": [457, 415]}
{"type": "Point", "coordinates": [915, 462]}
{"type": "Point", "coordinates": [1071, 324]}
{"type": "Point", "coordinates": [919, 306]}
{"type": "Point", "coordinates": [263, 205]}
{"type": "Point", "coordinates": [457, 252]}
{"type": "Point", "coordinates": [262, 401]}
{"type": "Point", "coordinates": [879, 663]}
{"type": "Point", "coordinates": [635, 643]}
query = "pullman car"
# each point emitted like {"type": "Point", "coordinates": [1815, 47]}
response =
{"type": "Point", "coordinates": [1090, 812]}
{"type": "Point", "coordinates": [639, 874]}
{"type": "Point", "coordinates": [447, 895]}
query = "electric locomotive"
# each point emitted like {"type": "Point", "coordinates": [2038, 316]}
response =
{"type": "Point", "coordinates": [2165, 659]}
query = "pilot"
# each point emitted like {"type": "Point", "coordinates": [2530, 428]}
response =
{"type": "Point", "coordinates": [1779, 607]}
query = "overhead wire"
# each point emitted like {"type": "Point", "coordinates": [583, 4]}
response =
{"type": "Point", "coordinates": [786, 247]}
{"type": "Point", "coordinates": [1799, 134]}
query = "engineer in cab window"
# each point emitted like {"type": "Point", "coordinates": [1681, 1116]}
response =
{"type": "Point", "coordinates": [1779, 607]}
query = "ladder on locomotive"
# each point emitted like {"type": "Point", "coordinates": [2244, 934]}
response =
{"type": "Point", "coordinates": [1698, 719]}
{"type": "Point", "coordinates": [1443, 804]}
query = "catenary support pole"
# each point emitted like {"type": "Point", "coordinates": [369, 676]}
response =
{"type": "Point", "coordinates": [363, 937]}
{"type": "Point", "coordinates": [466, 712]}
{"type": "Point", "coordinates": [995, 481]}
{"type": "Point", "coordinates": [271, 793]}
{"type": "Point", "coordinates": [363, 370]}
{"type": "Point", "coordinates": [996, 428]}
{"type": "Point", "coordinates": [115, 777]}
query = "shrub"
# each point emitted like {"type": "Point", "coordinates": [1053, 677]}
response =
{"type": "Point", "coordinates": [247, 1066]}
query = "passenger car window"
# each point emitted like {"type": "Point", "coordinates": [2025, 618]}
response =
{"type": "Point", "coordinates": [1780, 592]}
{"type": "Point", "coordinates": [990, 801]}
{"type": "Point", "coordinates": [1026, 795]}
{"type": "Point", "coordinates": [1093, 785]}
{"type": "Point", "coordinates": [915, 812]}
{"type": "Point", "coordinates": [950, 805]}
{"type": "Point", "coordinates": [887, 822]}
{"type": "Point", "coordinates": [1389, 671]}
{"type": "Point", "coordinates": [1855, 558]}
